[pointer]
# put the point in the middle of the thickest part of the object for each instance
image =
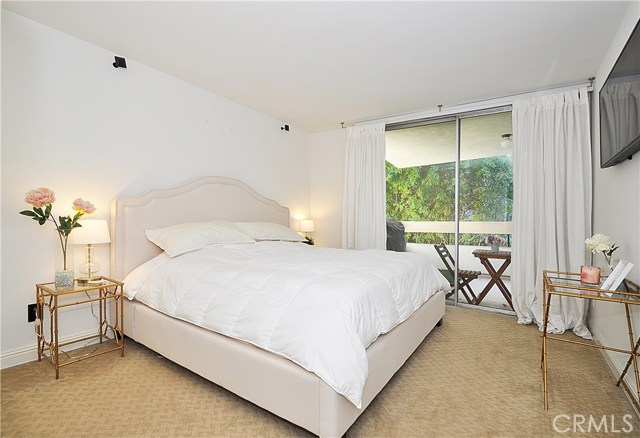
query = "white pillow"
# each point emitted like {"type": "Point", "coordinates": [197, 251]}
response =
{"type": "Point", "coordinates": [181, 238]}
{"type": "Point", "coordinates": [269, 231]}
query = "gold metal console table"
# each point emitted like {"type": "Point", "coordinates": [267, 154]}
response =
{"type": "Point", "coordinates": [568, 284]}
{"type": "Point", "coordinates": [53, 299]}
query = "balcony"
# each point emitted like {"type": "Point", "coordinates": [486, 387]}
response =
{"type": "Point", "coordinates": [466, 259]}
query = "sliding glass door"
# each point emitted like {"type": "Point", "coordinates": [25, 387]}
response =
{"type": "Point", "coordinates": [485, 207]}
{"type": "Point", "coordinates": [449, 183]}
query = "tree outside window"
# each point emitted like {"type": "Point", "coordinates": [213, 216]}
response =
{"type": "Point", "coordinates": [427, 193]}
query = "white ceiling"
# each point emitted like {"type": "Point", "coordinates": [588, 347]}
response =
{"type": "Point", "coordinates": [316, 64]}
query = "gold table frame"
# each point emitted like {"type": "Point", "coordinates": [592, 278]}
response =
{"type": "Point", "coordinates": [47, 295]}
{"type": "Point", "coordinates": [568, 284]}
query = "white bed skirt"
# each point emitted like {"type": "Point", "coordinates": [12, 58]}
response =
{"type": "Point", "coordinates": [272, 382]}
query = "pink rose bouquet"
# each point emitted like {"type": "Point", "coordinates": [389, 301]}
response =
{"type": "Point", "coordinates": [44, 197]}
{"type": "Point", "coordinates": [494, 239]}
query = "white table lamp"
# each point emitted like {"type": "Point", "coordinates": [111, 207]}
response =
{"type": "Point", "coordinates": [92, 232]}
{"type": "Point", "coordinates": [306, 227]}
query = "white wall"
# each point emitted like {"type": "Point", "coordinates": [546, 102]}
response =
{"type": "Point", "coordinates": [616, 211]}
{"type": "Point", "coordinates": [327, 153]}
{"type": "Point", "coordinates": [72, 122]}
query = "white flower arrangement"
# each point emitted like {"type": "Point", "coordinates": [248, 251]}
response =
{"type": "Point", "coordinates": [599, 243]}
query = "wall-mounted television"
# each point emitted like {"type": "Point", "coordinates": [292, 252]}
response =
{"type": "Point", "coordinates": [620, 106]}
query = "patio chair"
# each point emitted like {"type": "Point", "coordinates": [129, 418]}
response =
{"type": "Point", "coordinates": [464, 276]}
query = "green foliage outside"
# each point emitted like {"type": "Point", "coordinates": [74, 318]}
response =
{"type": "Point", "coordinates": [427, 193]}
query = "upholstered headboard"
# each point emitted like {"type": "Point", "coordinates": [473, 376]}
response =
{"type": "Point", "coordinates": [202, 199]}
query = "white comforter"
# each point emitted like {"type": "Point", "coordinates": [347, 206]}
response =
{"type": "Point", "coordinates": [318, 307]}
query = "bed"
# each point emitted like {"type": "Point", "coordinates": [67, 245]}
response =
{"type": "Point", "coordinates": [271, 381]}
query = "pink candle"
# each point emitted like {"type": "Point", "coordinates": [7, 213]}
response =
{"type": "Point", "coordinates": [590, 275]}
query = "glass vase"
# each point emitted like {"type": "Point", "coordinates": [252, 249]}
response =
{"type": "Point", "coordinates": [608, 265]}
{"type": "Point", "coordinates": [495, 247]}
{"type": "Point", "coordinates": [64, 274]}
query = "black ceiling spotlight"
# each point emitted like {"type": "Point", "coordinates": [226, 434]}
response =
{"type": "Point", "coordinates": [284, 128]}
{"type": "Point", "coordinates": [120, 62]}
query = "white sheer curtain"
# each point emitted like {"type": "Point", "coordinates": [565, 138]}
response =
{"type": "Point", "coordinates": [364, 202]}
{"type": "Point", "coordinates": [551, 202]}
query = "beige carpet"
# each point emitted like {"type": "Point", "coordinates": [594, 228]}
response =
{"type": "Point", "coordinates": [477, 375]}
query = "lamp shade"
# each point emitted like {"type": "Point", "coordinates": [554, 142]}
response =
{"type": "Point", "coordinates": [91, 232]}
{"type": "Point", "coordinates": [306, 226]}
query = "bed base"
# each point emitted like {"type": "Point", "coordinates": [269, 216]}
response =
{"type": "Point", "coordinates": [272, 382]}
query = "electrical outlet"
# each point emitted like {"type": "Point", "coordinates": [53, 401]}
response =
{"type": "Point", "coordinates": [31, 312]}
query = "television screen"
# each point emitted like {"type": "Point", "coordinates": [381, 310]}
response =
{"type": "Point", "coordinates": [620, 106]}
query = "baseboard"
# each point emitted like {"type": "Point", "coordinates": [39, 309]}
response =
{"type": "Point", "coordinates": [30, 353]}
{"type": "Point", "coordinates": [615, 367]}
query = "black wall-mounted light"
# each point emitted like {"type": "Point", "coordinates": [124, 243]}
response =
{"type": "Point", "coordinates": [120, 62]}
{"type": "Point", "coordinates": [284, 128]}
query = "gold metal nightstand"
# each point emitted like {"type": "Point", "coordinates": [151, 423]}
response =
{"type": "Point", "coordinates": [53, 299]}
{"type": "Point", "coordinates": [568, 284]}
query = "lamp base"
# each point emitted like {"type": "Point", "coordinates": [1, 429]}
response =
{"type": "Point", "coordinates": [91, 281]}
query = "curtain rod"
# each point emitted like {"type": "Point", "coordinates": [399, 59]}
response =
{"type": "Point", "coordinates": [476, 105]}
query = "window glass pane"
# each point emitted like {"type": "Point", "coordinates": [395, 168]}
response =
{"type": "Point", "coordinates": [486, 179]}
{"type": "Point", "coordinates": [421, 180]}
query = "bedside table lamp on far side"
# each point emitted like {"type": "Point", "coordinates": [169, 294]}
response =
{"type": "Point", "coordinates": [306, 226]}
{"type": "Point", "coordinates": [92, 232]}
